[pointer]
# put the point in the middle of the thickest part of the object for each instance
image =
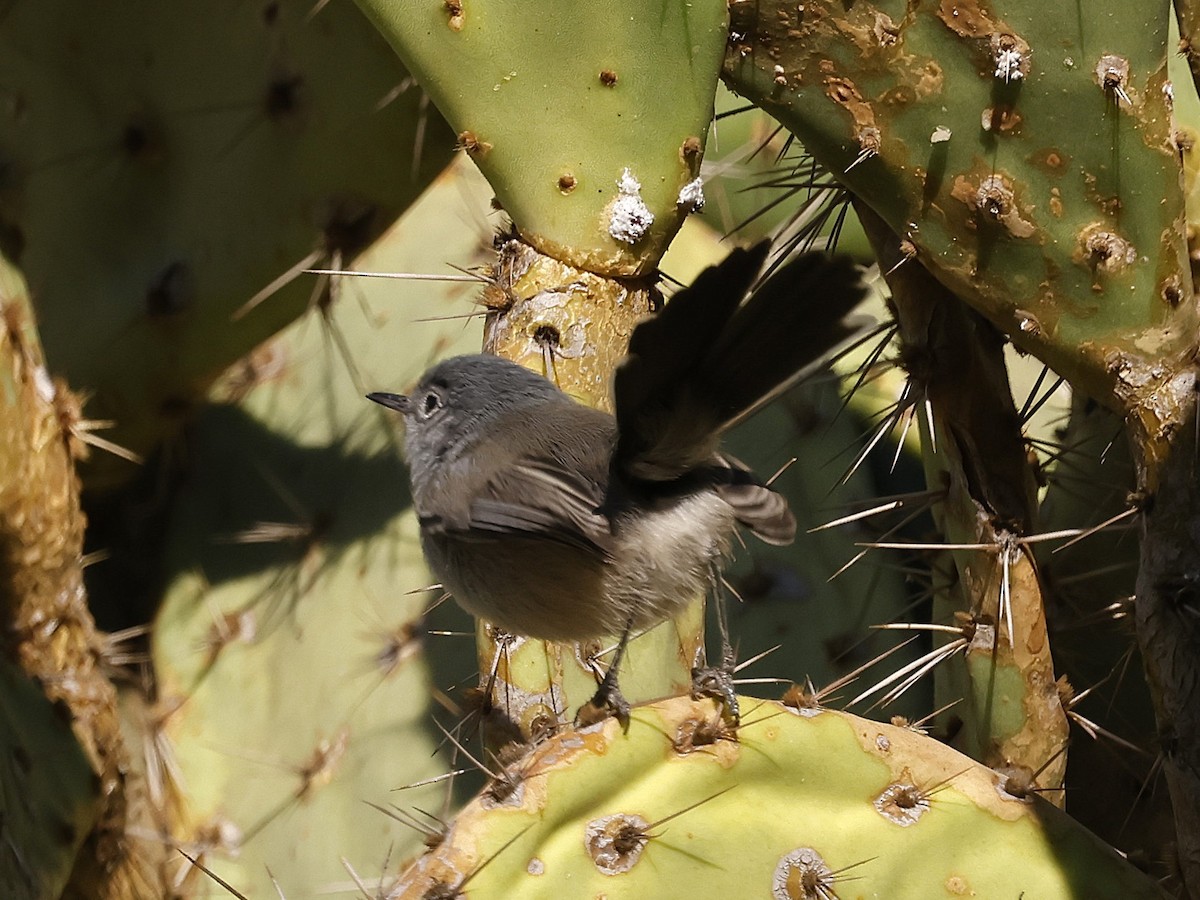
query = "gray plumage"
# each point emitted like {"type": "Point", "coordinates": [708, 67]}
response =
{"type": "Point", "coordinates": [557, 521]}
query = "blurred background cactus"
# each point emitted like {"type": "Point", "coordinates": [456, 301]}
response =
{"type": "Point", "coordinates": [223, 657]}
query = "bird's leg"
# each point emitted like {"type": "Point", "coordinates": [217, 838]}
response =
{"type": "Point", "coordinates": [717, 681]}
{"type": "Point", "coordinates": [608, 698]}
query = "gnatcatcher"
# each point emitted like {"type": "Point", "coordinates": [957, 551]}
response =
{"type": "Point", "coordinates": [557, 521]}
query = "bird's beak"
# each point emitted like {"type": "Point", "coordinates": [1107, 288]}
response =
{"type": "Point", "coordinates": [398, 402]}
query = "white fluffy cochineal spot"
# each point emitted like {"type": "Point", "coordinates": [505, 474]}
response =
{"type": "Point", "coordinates": [630, 217]}
{"type": "Point", "coordinates": [44, 384]}
{"type": "Point", "coordinates": [1010, 53]}
{"type": "Point", "coordinates": [691, 196]}
{"type": "Point", "coordinates": [1008, 65]}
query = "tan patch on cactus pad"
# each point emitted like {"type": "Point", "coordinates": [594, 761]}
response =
{"type": "Point", "coordinates": [993, 199]}
{"type": "Point", "coordinates": [615, 843]}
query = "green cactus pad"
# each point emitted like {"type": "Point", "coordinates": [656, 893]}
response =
{"type": "Point", "coordinates": [295, 677]}
{"type": "Point", "coordinates": [588, 119]}
{"type": "Point", "coordinates": [1026, 153]}
{"type": "Point", "coordinates": [162, 164]}
{"type": "Point", "coordinates": [802, 804]}
{"type": "Point", "coordinates": [50, 794]}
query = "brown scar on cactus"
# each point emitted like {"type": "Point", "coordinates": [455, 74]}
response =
{"type": "Point", "coordinates": [1004, 55]}
{"type": "Point", "coordinates": [690, 153]}
{"type": "Point", "coordinates": [469, 142]}
{"type": "Point", "coordinates": [456, 18]}
{"type": "Point", "coordinates": [1110, 204]}
{"type": "Point", "coordinates": [930, 80]}
{"type": "Point", "coordinates": [993, 200]}
{"type": "Point", "coordinates": [1102, 250]}
{"type": "Point", "coordinates": [845, 94]}
{"type": "Point", "coordinates": [706, 733]}
{"type": "Point", "coordinates": [885, 31]}
{"type": "Point", "coordinates": [1000, 119]}
{"type": "Point", "coordinates": [1151, 391]}
{"type": "Point", "coordinates": [615, 843]}
{"type": "Point", "coordinates": [608, 77]}
{"type": "Point", "coordinates": [870, 34]}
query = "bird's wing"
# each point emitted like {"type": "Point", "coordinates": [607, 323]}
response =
{"type": "Point", "coordinates": [664, 429]}
{"type": "Point", "coordinates": [538, 498]}
{"type": "Point", "coordinates": [709, 361]}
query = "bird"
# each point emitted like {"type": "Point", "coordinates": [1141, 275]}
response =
{"type": "Point", "coordinates": [555, 520]}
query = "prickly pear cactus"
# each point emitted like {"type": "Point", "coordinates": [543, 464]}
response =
{"type": "Point", "coordinates": [168, 170]}
{"type": "Point", "coordinates": [990, 608]}
{"type": "Point", "coordinates": [639, 76]}
{"type": "Point", "coordinates": [292, 651]}
{"type": "Point", "coordinates": [947, 122]}
{"type": "Point", "coordinates": [65, 780]}
{"type": "Point", "coordinates": [800, 804]}
{"type": "Point", "coordinates": [49, 790]}
{"type": "Point", "coordinates": [294, 660]}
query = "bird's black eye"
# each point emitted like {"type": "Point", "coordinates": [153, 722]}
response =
{"type": "Point", "coordinates": [430, 404]}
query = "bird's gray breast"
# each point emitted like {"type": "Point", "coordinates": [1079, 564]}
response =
{"type": "Point", "coordinates": [528, 586]}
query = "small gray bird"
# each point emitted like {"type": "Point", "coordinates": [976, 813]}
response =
{"type": "Point", "coordinates": [557, 521]}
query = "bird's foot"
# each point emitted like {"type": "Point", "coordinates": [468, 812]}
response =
{"type": "Point", "coordinates": [717, 682]}
{"type": "Point", "coordinates": [607, 701]}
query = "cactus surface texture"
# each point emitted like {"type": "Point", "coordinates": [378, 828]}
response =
{"type": "Point", "coordinates": [803, 803]}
